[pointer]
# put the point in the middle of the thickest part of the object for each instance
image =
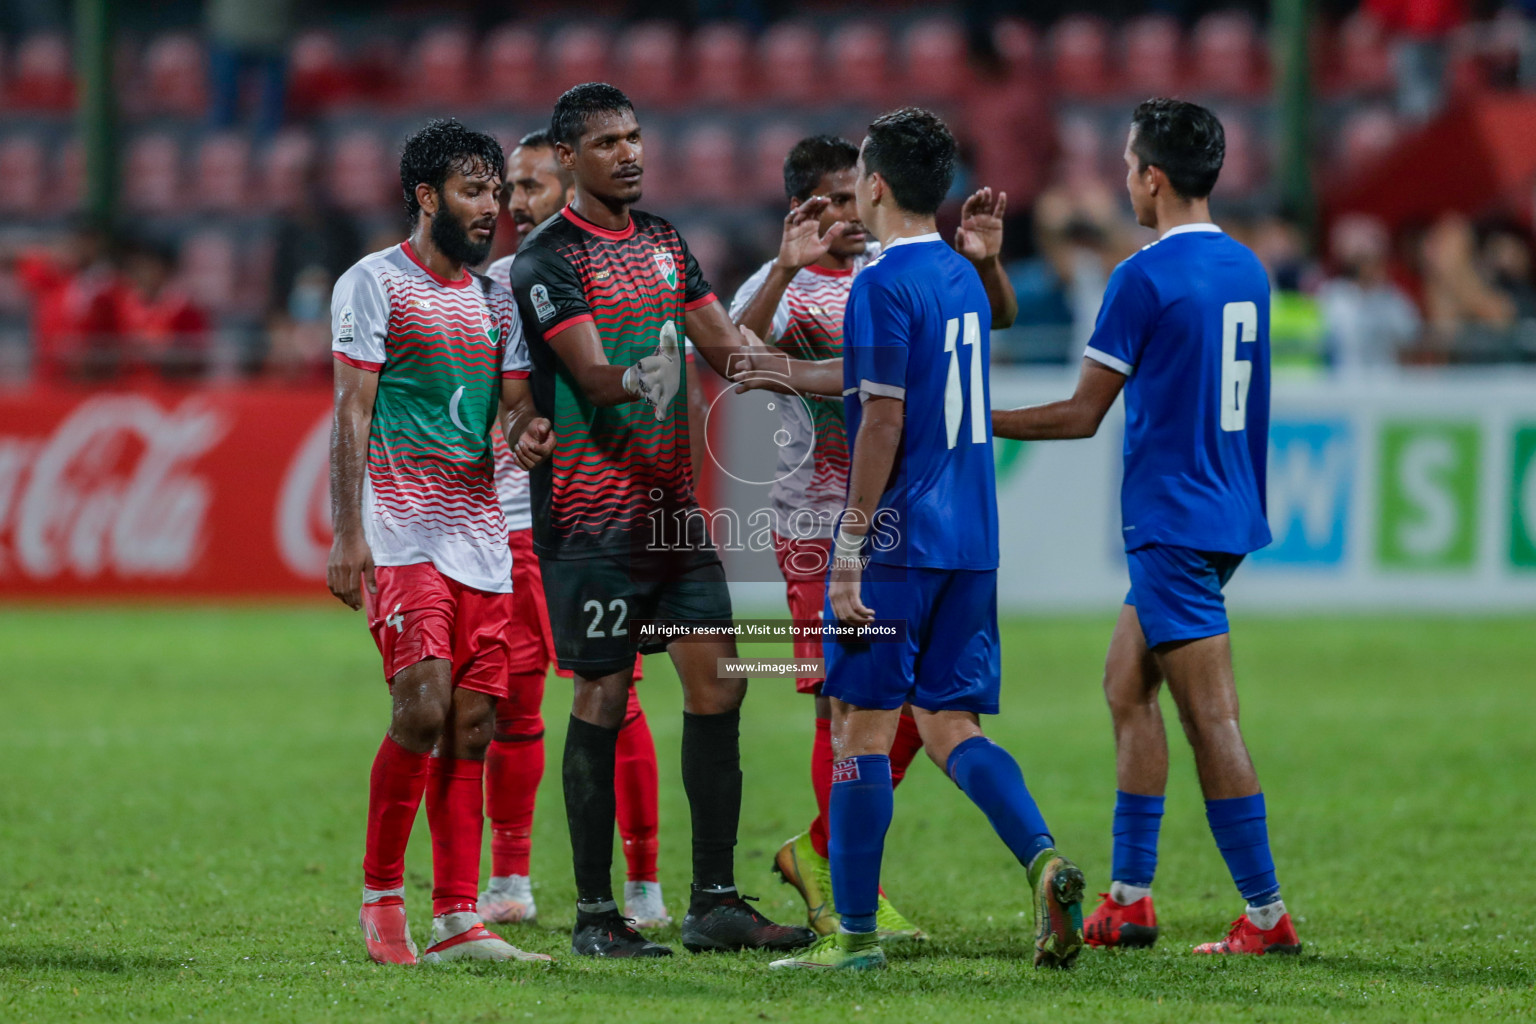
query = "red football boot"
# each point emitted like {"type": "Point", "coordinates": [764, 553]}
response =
{"type": "Point", "coordinates": [1112, 926]}
{"type": "Point", "coordinates": [1246, 937]}
{"type": "Point", "coordinates": [385, 932]}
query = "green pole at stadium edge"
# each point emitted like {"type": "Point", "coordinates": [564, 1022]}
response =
{"type": "Point", "coordinates": [97, 107]}
{"type": "Point", "coordinates": [1293, 102]}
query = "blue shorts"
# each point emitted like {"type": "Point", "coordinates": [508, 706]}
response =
{"type": "Point", "coordinates": [1177, 591]}
{"type": "Point", "coordinates": [949, 659]}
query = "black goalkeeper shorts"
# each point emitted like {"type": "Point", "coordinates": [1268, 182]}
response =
{"type": "Point", "coordinates": [594, 601]}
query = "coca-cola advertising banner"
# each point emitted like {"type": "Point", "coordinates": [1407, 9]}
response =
{"type": "Point", "coordinates": [207, 492]}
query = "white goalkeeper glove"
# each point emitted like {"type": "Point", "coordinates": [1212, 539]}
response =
{"type": "Point", "coordinates": [657, 377]}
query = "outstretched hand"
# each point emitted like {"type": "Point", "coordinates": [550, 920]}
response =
{"type": "Point", "coordinates": [803, 243]}
{"type": "Point", "coordinates": [757, 367]}
{"type": "Point", "coordinates": [980, 234]}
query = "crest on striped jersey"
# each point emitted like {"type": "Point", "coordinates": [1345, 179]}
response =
{"type": "Point", "coordinates": [665, 265]}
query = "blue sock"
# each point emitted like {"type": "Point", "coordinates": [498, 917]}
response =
{"type": "Point", "coordinates": [859, 812]}
{"type": "Point", "coordinates": [990, 776]}
{"type": "Point", "coordinates": [1243, 838]}
{"type": "Point", "coordinates": [1137, 821]}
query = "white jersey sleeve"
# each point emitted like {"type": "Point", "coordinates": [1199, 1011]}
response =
{"type": "Point", "coordinates": [501, 271]}
{"type": "Point", "coordinates": [360, 317]}
{"type": "Point", "coordinates": [749, 288]}
{"type": "Point", "coordinates": [514, 356]}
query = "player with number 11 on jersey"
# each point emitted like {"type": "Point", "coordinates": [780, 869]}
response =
{"type": "Point", "coordinates": [917, 542]}
{"type": "Point", "coordinates": [1184, 330]}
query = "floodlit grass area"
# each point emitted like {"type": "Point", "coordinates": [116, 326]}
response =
{"type": "Point", "coordinates": [183, 793]}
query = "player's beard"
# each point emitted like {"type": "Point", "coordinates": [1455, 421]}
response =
{"type": "Point", "coordinates": [452, 240]}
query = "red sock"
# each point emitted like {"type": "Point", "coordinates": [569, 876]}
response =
{"type": "Point", "coordinates": [514, 767]}
{"type": "Point", "coordinates": [454, 788]}
{"type": "Point", "coordinates": [635, 779]}
{"type": "Point", "coordinates": [394, 793]}
{"type": "Point", "coordinates": [821, 782]}
{"type": "Point", "coordinates": [904, 748]}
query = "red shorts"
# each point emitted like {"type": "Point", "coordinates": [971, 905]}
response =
{"type": "Point", "coordinates": [804, 565]}
{"type": "Point", "coordinates": [532, 640]}
{"type": "Point", "coordinates": [419, 613]}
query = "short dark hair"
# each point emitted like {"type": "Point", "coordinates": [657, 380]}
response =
{"type": "Point", "coordinates": [580, 102]}
{"type": "Point", "coordinates": [814, 158]}
{"type": "Point", "coordinates": [914, 151]}
{"type": "Point", "coordinates": [438, 149]}
{"type": "Point", "coordinates": [1184, 140]}
{"type": "Point", "coordinates": [540, 140]}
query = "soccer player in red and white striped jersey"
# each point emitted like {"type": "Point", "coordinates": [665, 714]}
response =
{"type": "Point", "coordinates": [425, 351]}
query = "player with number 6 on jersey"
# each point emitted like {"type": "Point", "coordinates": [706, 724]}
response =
{"type": "Point", "coordinates": [1184, 331]}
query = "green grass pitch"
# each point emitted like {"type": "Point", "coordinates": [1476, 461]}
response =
{"type": "Point", "coordinates": [182, 796]}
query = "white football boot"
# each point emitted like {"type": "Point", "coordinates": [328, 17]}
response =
{"type": "Point", "coordinates": [508, 900]}
{"type": "Point", "coordinates": [462, 937]}
{"type": "Point", "coordinates": [643, 905]}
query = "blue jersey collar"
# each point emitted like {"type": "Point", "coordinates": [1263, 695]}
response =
{"type": "Point", "coordinates": [1187, 228]}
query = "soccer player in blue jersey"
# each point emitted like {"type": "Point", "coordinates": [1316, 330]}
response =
{"type": "Point", "coordinates": [1184, 331]}
{"type": "Point", "coordinates": [917, 541]}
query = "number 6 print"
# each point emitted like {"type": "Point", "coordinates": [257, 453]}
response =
{"type": "Point", "coordinates": [1239, 322]}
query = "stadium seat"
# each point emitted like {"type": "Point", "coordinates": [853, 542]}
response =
{"type": "Point", "coordinates": [22, 171]}
{"type": "Point", "coordinates": [319, 78]}
{"type": "Point", "coordinates": [175, 76]}
{"type": "Point", "coordinates": [770, 145]}
{"type": "Point", "coordinates": [209, 269]}
{"type": "Point", "coordinates": [1228, 57]}
{"type": "Point", "coordinates": [1363, 63]}
{"type": "Point", "coordinates": [1244, 166]}
{"type": "Point", "coordinates": [1366, 134]}
{"type": "Point", "coordinates": [648, 63]}
{"type": "Point", "coordinates": [1081, 147]}
{"type": "Point", "coordinates": [361, 177]}
{"type": "Point", "coordinates": [790, 63]}
{"type": "Point", "coordinates": [934, 60]}
{"type": "Point", "coordinates": [859, 59]}
{"type": "Point", "coordinates": [513, 63]}
{"type": "Point", "coordinates": [222, 174]}
{"type": "Point", "coordinates": [1079, 55]}
{"type": "Point", "coordinates": [1152, 54]}
{"type": "Point", "coordinates": [721, 57]}
{"type": "Point", "coordinates": [42, 78]}
{"type": "Point", "coordinates": [711, 249]}
{"type": "Point", "coordinates": [69, 166]}
{"type": "Point", "coordinates": [578, 53]}
{"type": "Point", "coordinates": [152, 175]}
{"type": "Point", "coordinates": [442, 70]}
{"type": "Point", "coordinates": [709, 172]}
{"type": "Point", "coordinates": [1018, 46]}
{"type": "Point", "coordinates": [286, 167]}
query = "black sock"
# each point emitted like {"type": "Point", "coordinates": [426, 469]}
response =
{"type": "Point", "coordinates": [712, 779]}
{"type": "Point", "coordinates": [587, 774]}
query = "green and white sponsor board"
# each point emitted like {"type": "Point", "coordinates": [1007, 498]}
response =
{"type": "Point", "coordinates": [1413, 489]}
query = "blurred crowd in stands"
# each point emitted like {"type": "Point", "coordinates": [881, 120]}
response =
{"type": "Point", "coordinates": [259, 140]}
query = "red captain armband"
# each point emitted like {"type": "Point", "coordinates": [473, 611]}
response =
{"type": "Point", "coordinates": [361, 364]}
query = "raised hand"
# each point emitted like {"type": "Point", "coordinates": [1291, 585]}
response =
{"type": "Point", "coordinates": [803, 243]}
{"type": "Point", "coordinates": [980, 234]}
